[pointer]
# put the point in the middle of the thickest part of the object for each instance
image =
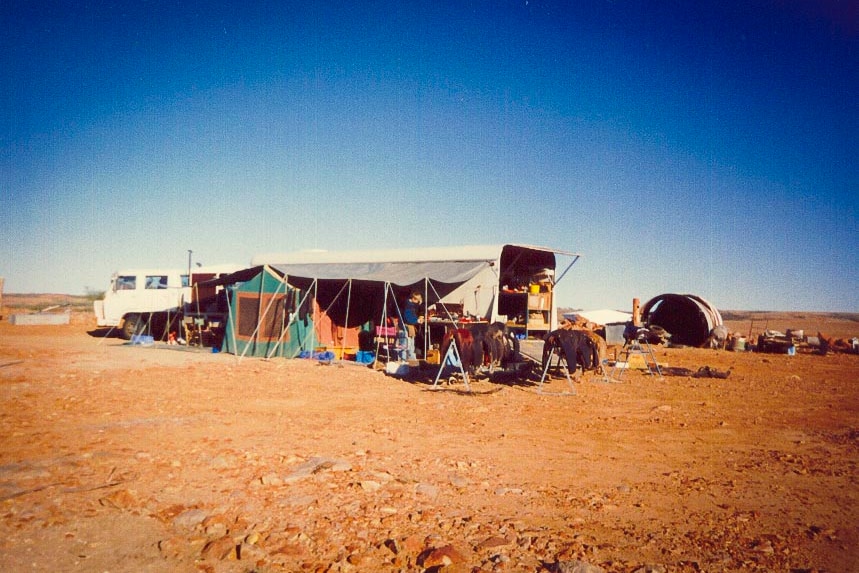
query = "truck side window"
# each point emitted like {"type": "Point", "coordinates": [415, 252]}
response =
{"type": "Point", "coordinates": [127, 282]}
{"type": "Point", "coordinates": [156, 281]}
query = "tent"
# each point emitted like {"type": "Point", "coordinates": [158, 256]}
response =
{"type": "Point", "coordinates": [688, 318]}
{"type": "Point", "coordinates": [266, 316]}
{"type": "Point", "coordinates": [356, 289]}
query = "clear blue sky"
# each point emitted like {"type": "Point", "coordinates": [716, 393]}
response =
{"type": "Point", "coordinates": [695, 147]}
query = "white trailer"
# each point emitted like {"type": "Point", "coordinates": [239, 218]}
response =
{"type": "Point", "coordinates": [150, 299]}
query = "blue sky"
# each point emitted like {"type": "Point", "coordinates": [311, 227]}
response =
{"type": "Point", "coordinates": [695, 147]}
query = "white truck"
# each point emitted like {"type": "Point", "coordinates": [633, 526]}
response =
{"type": "Point", "coordinates": [152, 300]}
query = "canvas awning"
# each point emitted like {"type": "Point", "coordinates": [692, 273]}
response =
{"type": "Point", "coordinates": [399, 274]}
{"type": "Point", "coordinates": [339, 278]}
{"type": "Point", "coordinates": [336, 284]}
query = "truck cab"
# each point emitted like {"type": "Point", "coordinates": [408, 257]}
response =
{"type": "Point", "coordinates": [149, 299]}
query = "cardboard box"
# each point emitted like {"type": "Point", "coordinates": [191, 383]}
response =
{"type": "Point", "coordinates": [538, 301]}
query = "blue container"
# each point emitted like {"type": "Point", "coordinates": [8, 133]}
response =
{"type": "Point", "coordinates": [142, 339]}
{"type": "Point", "coordinates": [365, 356]}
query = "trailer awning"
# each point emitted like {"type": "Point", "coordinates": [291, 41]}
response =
{"type": "Point", "coordinates": [399, 274]}
{"type": "Point", "coordinates": [336, 278]}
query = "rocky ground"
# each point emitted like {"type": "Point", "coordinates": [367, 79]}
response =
{"type": "Point", "coordinates": [129, 458]}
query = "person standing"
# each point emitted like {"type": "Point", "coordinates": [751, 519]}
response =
{"type": "Point", "coordinates": [412, 319]}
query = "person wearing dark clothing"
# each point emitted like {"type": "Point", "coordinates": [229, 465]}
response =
{"type": "Point", "coordinates": [412, 319]}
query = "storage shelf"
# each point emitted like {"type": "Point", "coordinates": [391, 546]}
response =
{"type": "Point", "coordinates": [533, 308]}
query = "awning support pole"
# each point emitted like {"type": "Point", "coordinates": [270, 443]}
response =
{"type": "Point", "coordinates": [314, 287]}
{"type": "Point", "coordinates": [346, 325]}
{"type": "Point", "coordinates": [231, 324]}
{"type": "Point", "coordinates": [558, 279]}
{"type": "Point", "coordinates": [291, 321]}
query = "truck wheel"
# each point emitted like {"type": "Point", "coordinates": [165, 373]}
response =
{"type": "Point", "coordinates": [130, 326]}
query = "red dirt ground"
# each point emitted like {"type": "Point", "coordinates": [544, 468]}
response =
{"type": "Point", "coordinates": [128, 458]}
